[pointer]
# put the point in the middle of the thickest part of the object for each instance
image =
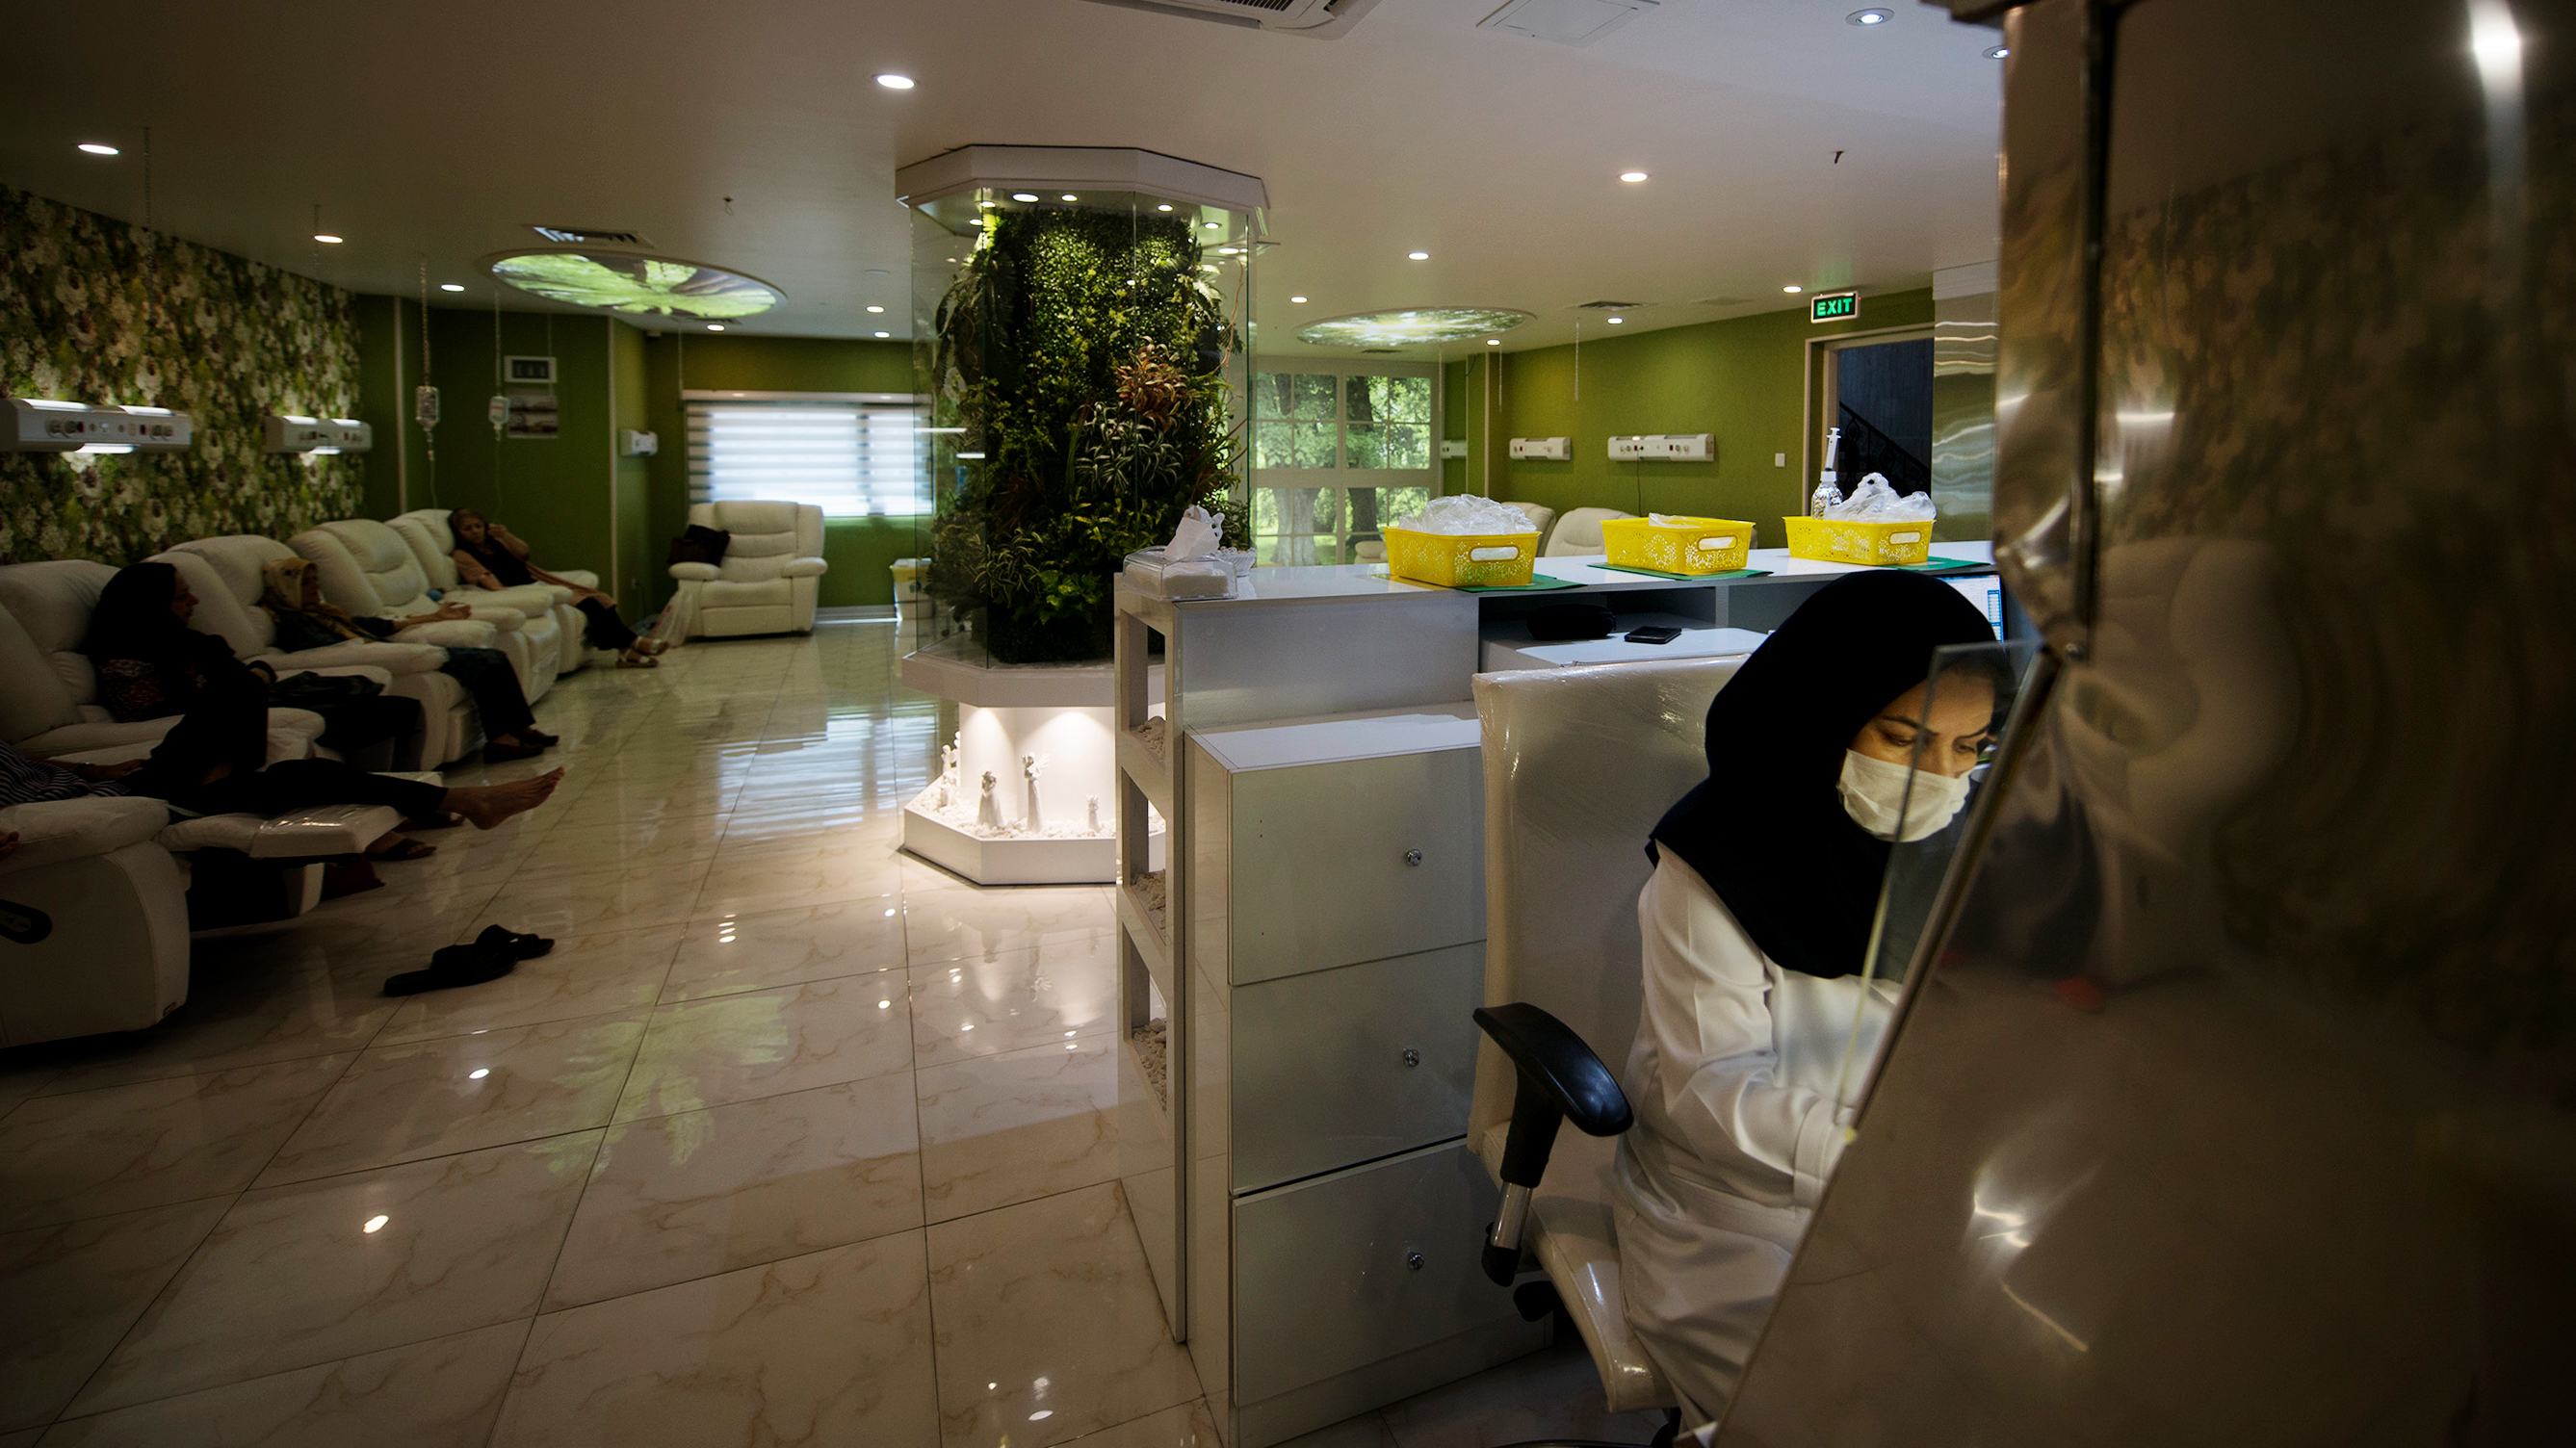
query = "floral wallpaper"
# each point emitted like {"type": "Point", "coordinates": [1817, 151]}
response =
{"type": "Point", "coordinates": [95, 310]}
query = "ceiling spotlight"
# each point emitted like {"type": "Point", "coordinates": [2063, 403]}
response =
{"type": "Point", "coordinates": [1793, 289]}
{"type": "Point", "coordinates": [1297, 299]}
{"type": "Point", "coordinates": [876, 309]}
{"type": "Point", "coordinates": [885, 334]}
{"type": "Point", "coordinates": [715, 326]}
{"type": "Point", "coordinates": [1998, 52]}
{"type": "Point", "coordinates": [1229, 251]}
{"type": "Point", "coordinates": [1869, 17]}
{"type": "Point", "coordinates": [1166, 206]}
{"type": "Point", "coordinates": [1212, 226]}
{"type": "Point", "coordinates": [96, 148]}
{"type": "Point", "coordinates": [1069, 196]}
{"type": "Point", "coordinates": [1493, 341]}
{"type": "Point", "coordinates": [892, 81]}
{"type": "Point", "coordinates": [1632, 175]}
{"type": "Point", "coordinates": [1024, 196]}
{"type": "Point", "coordinates": [1417, 256]}
{"type": "Point", "coordinates": [451, 286]}
{"type": "Point", "coordinates": [1615, 321]}
{"type": "Point", "coordinates": [327, 239]}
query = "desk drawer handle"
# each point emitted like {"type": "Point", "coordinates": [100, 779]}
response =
{"type": "Point", "coordinates": [1413, 857]}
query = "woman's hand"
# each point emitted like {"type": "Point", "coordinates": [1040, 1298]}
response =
{"type": "Point", "coordinates": [449, 611]}
{"type": "Point", "coordinates": [104, 772]}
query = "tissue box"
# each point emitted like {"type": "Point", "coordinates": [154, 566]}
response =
{"type": "Point", "coordinates": [1688, 545]}
{"type": "Point", "coordinates": [1868, 544]}
{"type": "Point", "coordinates": [1150, 574]}
{"type": "Point", "coordinates": [1453, 560]}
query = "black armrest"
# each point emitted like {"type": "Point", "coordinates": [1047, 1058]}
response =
{"type": "Point", "coordinates": [1559, 1080]}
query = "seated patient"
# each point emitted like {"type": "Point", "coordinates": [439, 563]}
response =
{"type": "Point", "coordinates": [1755, 923]}
{"type": "Point", "coordinates": [489, 555]}
{"type": "Point", "coordinates": [292, 594]}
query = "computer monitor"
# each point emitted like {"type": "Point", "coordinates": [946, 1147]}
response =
{"type": "Point", "coordinates": [1987, 593]}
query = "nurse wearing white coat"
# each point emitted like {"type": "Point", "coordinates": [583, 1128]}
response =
{"type": "Point", "coordinates": [1755, 925]}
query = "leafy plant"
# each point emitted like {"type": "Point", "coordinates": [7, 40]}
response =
{"type": "Point", "coordinates": [1084, 356]}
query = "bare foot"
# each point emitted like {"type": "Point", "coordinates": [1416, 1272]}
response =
{"type": "Point", "coordinates": [486, 805]}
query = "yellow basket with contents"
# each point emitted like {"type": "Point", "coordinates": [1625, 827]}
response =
{"type": "Point", "coordinates": [1671, 544]}
{"type": "Point", "coordinates": [1462, 560]}
{"type": "Point", "coordinates": [1831, 540]}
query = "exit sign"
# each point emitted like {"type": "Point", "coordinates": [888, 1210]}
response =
{"type": "Point", "coordinates": [1840, 307]}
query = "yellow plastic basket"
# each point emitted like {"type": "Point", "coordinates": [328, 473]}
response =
{"type": "Point", "coordinates": [1685, 545]}
{"type": "Point", "coordinates": [1872, 544]}
{"type": "Point", "coordinates": [1462, 560]}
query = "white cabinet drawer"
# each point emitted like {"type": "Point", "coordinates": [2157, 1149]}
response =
{"type": "Point", "coordinates": [1356, 860]}
{"type": "Point", "coordinates": [1346, 1270]}
{"type": "Point", "coordinates": [1347, 1065]}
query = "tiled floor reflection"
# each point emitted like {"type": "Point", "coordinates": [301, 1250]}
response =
{"type": "Point", "coordinates": [792, 1139]}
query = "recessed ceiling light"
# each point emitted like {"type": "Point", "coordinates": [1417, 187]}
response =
{"type": "Point", "coordinates": [1998, 52]}
{"type": "Point", "coordinates": [1417, 256]}
{"type": "Point", "coordinates": [1166, 206]}
{"type": "Point", "coordinates": [1615, 321]}
{"type": "Point", "coordinates": [975, 221]}
{"type": "Point", "coordinates": [327, 238]}
{"type": "Point", "coordinates": [1069, 196]}
{"type": "Point", "coordinates": [1493, 341]}
{"type": "Point", "coordinates": [1024, 196]}
{"type": "Point", "coordinates": [885, 334]}
{"type": "Point", "coordinates": [715, 326]}
{"type": "Point", "coordinates": [1297, 299]}
{"type": "Point", "coordinates": [1212, 226]}
{"type": "Point", "coordinates": [892, 81]}
{"type": "Point", "coordinates": [98, 148]}
{"type": "Point", "coordinates": [451, 286]}
{"type": "Point", "coordinates": [1229, 251]}
{"type": "Point", "coordinates": [876, 309]}
{"type": "Point", "coordinates": [1793, 289]}
{"type": "Point", "coordinates": [1868, 17]}
{"type": "Point", "coordinates": [1632, 175]}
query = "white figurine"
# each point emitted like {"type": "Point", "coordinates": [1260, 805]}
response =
{"type": "Point", "coordinates": [948, 775]}
{"type": "Point", "coordinates": [1091, 814]}
{"type": "Point", "coordinates": [988, 810]}
{"type": "Point", "coordinates": [1031, 819]}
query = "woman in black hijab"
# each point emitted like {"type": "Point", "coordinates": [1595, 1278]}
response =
{"type": "Point", "coordinates": [1826, 746]}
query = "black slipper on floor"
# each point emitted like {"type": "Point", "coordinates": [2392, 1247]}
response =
{"type": "Point", "coordinates": [519, 947]}
{"type": "Point", "coordinates": [454, 965]}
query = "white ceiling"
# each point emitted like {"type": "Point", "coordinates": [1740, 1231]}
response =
{"type": "Point", "coordinates": [438, 132]}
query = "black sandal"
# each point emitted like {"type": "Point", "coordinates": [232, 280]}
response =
{"type": "Point", "coordinates": [437, 820]}
{"type": "Point", "coordinates": [517, 946]}
{"type": "Point", "coordinates": [451, 966]}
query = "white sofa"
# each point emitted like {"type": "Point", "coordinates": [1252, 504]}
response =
{"type": "Point", "coordinates": [433, 544]}
{"type": "Point", "coordinates": [771, 575]}
{"type": "Point", "coordinates": [114, 952]}
{"type": "Point", "coordinates": [368, 568]}
{"type": "Point", "coordinates": [224, 573]}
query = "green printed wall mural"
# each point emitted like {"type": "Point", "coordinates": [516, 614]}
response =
{"type": "Point", "coordinates": [93, 309]}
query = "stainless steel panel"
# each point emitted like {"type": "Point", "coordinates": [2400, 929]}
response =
{"type": "Point", "coordinates": [1342, 1271]}
{"type": "Point", "coordinates": [1345, 1066]}
{"type": "Point", "coordinates": [1357, 860]}
{"type": "Point", "coordinates": [1293, 660]}
{"type": "Point", "coordinates": [2238, 1109]}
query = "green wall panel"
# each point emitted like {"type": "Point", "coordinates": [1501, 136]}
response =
{"type": "Point", "coordinates": [554, 492]}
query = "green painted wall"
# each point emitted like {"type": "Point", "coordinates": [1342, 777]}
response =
{"type": "Point", "coordinates": [630, 405]}
{"type": "Point", "coordinates": [1743, 379]}
{"type": "Point", "coordinates": [858, 549]}
{"type": "Point", "coordinates": [554, 492]}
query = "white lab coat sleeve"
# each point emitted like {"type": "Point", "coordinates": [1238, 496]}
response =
{"type": "Point", "coordinates": [1716, 1050]}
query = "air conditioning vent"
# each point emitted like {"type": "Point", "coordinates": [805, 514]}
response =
{"type": "Point", "coordinates": [1380, 351]}
{"type": "Point", "coordinates": [1723, 302]}
{"type": "Point", "coordinates": [1566, 22]}
{"type": "Point", "coordinates": [584, 236]}
{"type": "Point", "coordinates": [1611, 306]}
{"type": "Point", "coordinates": [1317, 19]}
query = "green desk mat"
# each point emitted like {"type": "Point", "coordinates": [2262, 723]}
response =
{"type": "Point", "coordinates": [1688, 577]}
{"type": "Point", "coordinates": [1940, 565]}
{"type": "Point", "coordinates": [1540, 583]}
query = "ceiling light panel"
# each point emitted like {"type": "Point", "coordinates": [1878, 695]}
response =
{"type": "Point", "coordinates": [1564, 22]}
{"type": "Point", "coordinates": [636, 285]}
{"type": "Point", "coordinates": [1416, 327]}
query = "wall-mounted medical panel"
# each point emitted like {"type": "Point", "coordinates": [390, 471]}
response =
{"type": "Point", "coordinates": [292, 433]}
{"type": "Point", "coordinates": [43, 425]}
{"type": "Point", "coordinates": [1543, 449]}
{"type": "Point", "coordinates": [1664, 447]}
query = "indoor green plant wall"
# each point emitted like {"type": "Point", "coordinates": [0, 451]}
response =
{"type": "Point", "coordinates": [1082, 354]}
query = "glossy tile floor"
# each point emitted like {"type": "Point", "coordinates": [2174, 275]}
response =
{"type": "Point", "coordinates": [793, 1139]}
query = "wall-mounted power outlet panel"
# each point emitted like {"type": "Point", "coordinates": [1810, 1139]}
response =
{"type": "Point", "coordinates": [1664, 447]}
{"type": "Point", "coordinates": [1544, 449]}
{"type": "Point", "coordinates": [39, 424]}
{"type": "Point", "coordinates": [642, 444]}
{"type": "Point", "coordinates": [1453, 447]}
{"type": "Point", "coordinates": [293, 434]}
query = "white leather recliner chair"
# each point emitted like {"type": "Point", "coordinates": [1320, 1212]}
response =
{"type": "Point", "coordinates": [1579, 764]}
{"type": "Point", "coordinates": [224, 573]}
{"type": "Point", "coordinates": [433, 543]}
{"type": "Point", "coordinates": [93, 920]}
{"type": "Point", "coordinates": [367, 568]}
{"type": "Point", "coordinates": [771, 576]}
{"type": "Point", "coordinates": [1578, 535]}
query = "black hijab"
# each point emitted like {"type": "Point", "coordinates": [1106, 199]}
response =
{"type": "Point", "coordinates": [1767, 830]}
{"type": "Point", "coordinates": [133, 618]}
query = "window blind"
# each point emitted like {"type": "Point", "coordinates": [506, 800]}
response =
{"type": "Point", "coordinates": [850, 458]}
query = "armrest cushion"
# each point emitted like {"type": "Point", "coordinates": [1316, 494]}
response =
{"type": "Point", "coordinates": [578, 577]}
{"type": "Point", "coordinates": [393, 658]}
{"type": "Point", "coordinates": [455, 633]}
{"type": "Point", "coordinates": [802, 568]}
{"type": "Point", "coordinates": [1552, 1059]}
{"type": "Point", "coordinates": [51, 832]}
{"type": "Point", "coordinates": [502, 618]}
{"type": "Point", "coordinates": [142, 734]}
{"type": "Point", "coordinates": [698, 572]}
{"type": "Point", "coordinates": [383, 677]}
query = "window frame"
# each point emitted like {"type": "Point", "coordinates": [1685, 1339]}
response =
{"type": "Point", "coordinates": [1340, 479]}
{"type": "Point", "coordinates": [697, 403]}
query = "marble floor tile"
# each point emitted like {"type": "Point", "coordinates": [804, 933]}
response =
{"type": "Point", "coordinates": [975, 1007]}
{"type": "Point", "coordinates": [178, 1139]}
{"type": "Point", "coordinates": [1007, 1288]}
{"type": "Point", "coordinates": [831, 1347]}
{"type": "Point", "coordinates": [1003, 1129]}
{"type": "Point", "coordinates": [563, 906]}
{"type": "Point", "coordinates": [728, 954]}
{"type": "Point", "coordinates": [743, 880]}
{"type": "Point", "coordinates": [73, 1290]}
{"type": "Point", "coordinates": [656, 844]}
{"type": "Point", "coordinates": [673, 1198]}
{"type": "Point", "coordinates": [1188, 1426]}
{"type": "Point", "coordinates": [587, 975]}
{"type": "Point", "coordinates": [1368, 1430]}
{"type": "Point", "coordinates": [443, 1393]}
{"type": "Point", "coordinates": [236, 1019]}
{"type": "Point", "coordinates": [1551, 1394]}
{"type": "Point", "coordinates": [293, 1276]}
{"type": "Point", "coordinates": [766, 1043]}
{"type": "Point", "coordinates": [463, 1093]}
{"type": "Point", "coordinates": [947, 919]}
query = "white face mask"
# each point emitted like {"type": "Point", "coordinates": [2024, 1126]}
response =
{"type": "Point", "coordinates": [1873, 792]}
